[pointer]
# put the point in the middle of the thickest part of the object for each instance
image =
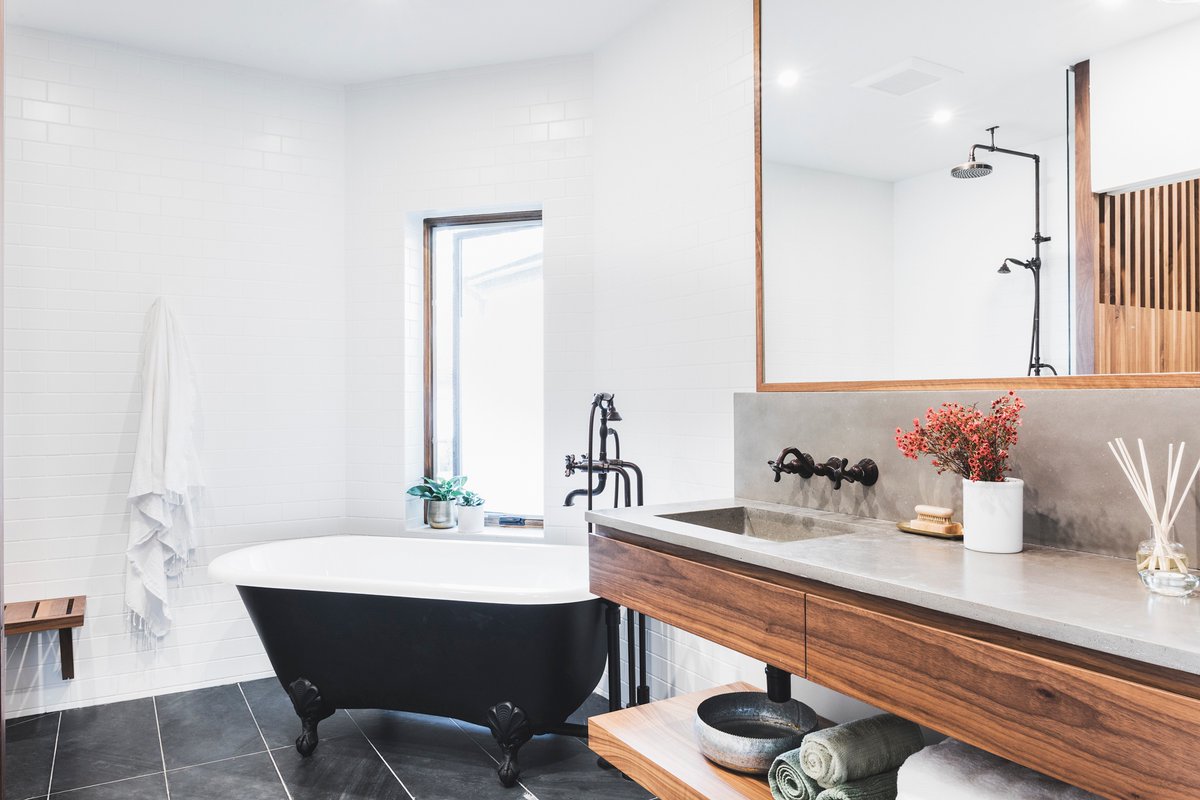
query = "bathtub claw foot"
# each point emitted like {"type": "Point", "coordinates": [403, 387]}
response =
{"type": "Point", "coordinates": [511, 729]}
{"type": "Point", "coordinates": [311, 709]}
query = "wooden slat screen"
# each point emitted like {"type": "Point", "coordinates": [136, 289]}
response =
{"type": "Point", "coordinates": [1148, 280]}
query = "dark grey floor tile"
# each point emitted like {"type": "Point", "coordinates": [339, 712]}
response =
{"type": "Point", "coordinates": [27, 759]}
{"type": "Point", "coordinates": [344, 768]}
{"type": "Point", "coordinates": [434, 757]}
{"type": "Point", "coordinates": [147, 787]}
{"type": "Point", "coordinates": [244, 778]}
{"type": "Point", "coordinates": [279, 723]}
{"type": "Point", "coordinates": [563, 768]}
{"type": "Point", "coordinates": [206, 725]}
{"type": "Point", "coordinates": [106, 743]}
{"type": "Point", "coordinates": [591, 707]}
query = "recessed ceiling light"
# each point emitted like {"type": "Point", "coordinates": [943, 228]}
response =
{"type": "Point", "coordinates": [789, 77]}
{"type": "Point", "coordinates": [942, 116]}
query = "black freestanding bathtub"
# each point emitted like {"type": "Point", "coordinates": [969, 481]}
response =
{"type": "Point", "coordinates": [498, 634]}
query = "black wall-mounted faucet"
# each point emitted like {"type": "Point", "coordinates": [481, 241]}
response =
{"type": "Point", "coordinates": [865, 471]}
{"type": "Point", "coordinates": [802, 464]}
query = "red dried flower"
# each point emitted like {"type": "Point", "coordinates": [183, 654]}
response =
{"type": "Point", "coordinates": [965, 440]}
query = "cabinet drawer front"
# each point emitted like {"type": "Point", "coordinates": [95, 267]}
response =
{"type": "Point", "coordinates": [754, 617]}
{"type": "Point", "coordinates": [1110, 736]}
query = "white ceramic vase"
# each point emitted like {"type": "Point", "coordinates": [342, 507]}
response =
{"type": "Point", "coordinates": [992, 515]}
{"type": "Point", "coordinates": [470, 519]}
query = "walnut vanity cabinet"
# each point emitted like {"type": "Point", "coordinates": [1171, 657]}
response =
{"type": "Point", "coordinates": [760, 618]}
{"type": "Point", "coordinates": [1122, 729]}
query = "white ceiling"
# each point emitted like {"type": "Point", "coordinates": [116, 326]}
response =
{"type": "Point", "coordinates": [1011, 56]}
{"type": "Point", "coordinates": [342, 41]}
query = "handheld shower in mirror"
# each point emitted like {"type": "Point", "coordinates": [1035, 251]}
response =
{"type": "Point", "coordinates": [972, 168]}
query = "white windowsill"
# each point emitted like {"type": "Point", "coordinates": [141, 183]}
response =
{"type": "Point", "coordinates": [491, 533]}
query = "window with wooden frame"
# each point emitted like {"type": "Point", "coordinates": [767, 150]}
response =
{"type": "Point", "coordinates": [484, 359]}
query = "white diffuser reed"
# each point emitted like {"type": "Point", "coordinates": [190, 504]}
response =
{"type": "Point", "coordinates": [1161, 561]}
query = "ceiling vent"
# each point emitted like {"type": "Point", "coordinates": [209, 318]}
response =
{"type": "Point", "coordinates": [906, 77]}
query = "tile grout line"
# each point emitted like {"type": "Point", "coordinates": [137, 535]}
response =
{"type": "Point", "coordinates": [471, 739]}
{"type": "Point", "coordinates": [105, 783]}
{"type": "Point", "coordinates": [266, 744]}
{"type": "Point", "coordinates": [221, 760]}
{"type": "Point", "coordinates": [53, 757]}
{"type": "Point", "coordinates": [381, 758]}
{"type": "Point", "coordinates": [162, 755]}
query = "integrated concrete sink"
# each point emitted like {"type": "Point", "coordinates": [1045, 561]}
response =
{"type": "Point", "coordinates": [759, 523]}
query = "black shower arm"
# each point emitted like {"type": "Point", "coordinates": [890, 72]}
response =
{"type": "Point", "coordinates": [991, 148]}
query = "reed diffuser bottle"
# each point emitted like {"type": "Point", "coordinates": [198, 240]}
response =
{"type": "Point", "coordinates": [1162, 562]}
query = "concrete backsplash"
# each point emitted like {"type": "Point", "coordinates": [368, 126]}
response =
{"type": "Point", "coordinates": [1075, 494]}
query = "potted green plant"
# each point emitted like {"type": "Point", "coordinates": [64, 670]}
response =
{"type": "Point", "coordinates": [440, 496]}
{"type": "Point", "coordinates": [470, 513]}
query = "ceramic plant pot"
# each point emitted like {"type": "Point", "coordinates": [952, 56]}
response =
{"type": "Point", "coordinates": [470, 519]}
{"type": "Point", "coordinates": [993, 515]}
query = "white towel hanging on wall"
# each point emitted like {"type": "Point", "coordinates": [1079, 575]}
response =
{"type": "Point", "coordinates": [166, 479]}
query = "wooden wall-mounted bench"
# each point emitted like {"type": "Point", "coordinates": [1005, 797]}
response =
{"type": "Point", "coordinates": [60, 614]}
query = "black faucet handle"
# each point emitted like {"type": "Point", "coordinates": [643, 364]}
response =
{"type": "Point", "coordinates": [865, 472]}
{"type": "Point", "coordinates": [834, 469]}
{"type": "Point", "coordinates": [572, 465]}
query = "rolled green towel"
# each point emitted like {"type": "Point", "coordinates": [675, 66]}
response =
{"type": "Point", "coordinates": [871, 746]}
{"type": "Point", "coordinates": [788, 781]}
{"type": "Point", "coordinates": [876, 787]}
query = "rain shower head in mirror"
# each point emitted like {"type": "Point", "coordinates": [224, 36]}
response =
{"type": "Point", "coordinates": [977, 169]}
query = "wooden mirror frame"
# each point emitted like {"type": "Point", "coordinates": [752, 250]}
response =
{"type": "Point", "coordinates": [1085, 230]}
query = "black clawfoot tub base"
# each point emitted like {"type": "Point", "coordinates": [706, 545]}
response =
{"type": "Point", "coordinates": [446, 658]}
{"type": "Point", "coordinates": [311, 709]}
{"type": "Point", "coordinates": [511, 729]}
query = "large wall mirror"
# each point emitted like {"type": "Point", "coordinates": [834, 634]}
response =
{"type": "Point", "coordinates": [980, 194]}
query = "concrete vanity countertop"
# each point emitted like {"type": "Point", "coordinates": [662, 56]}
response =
{"type": "Point", "coordinates": [1077, 598]}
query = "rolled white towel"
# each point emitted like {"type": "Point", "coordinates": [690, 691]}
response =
{"type": "Point", "coordinates": [953, 770]}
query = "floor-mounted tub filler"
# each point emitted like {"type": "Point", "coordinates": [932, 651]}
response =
{"type": "Point", "coordinates": [497, 634]}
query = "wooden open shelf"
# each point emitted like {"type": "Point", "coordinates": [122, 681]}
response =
{"type": "Point", "coordinates": [654, 745]}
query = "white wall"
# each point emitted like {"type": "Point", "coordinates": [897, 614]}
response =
{"type": "Point", "coordinates": [955, 315]}
{"type": "Point", "coordinates": [129, 176]}
{"type": "Point", "coordinates": [827, 297]}
{"type": "Point", "coordinates": [310, 345]}
{"type": "Point", "coordinates": [500, 138]}
{"type": "Point", "coordinates": [675, 275]}
{"type": "Point", "coordinates": [1144, 114]}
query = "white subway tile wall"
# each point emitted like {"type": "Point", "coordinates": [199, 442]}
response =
{"type": "Point", "coordinates": [494, 139]}
{"type": "Point", "coordinates": [132, 175]}
{"type": "Point", "coordinates": [285, 220]}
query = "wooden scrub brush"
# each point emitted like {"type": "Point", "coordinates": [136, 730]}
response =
{"type": "Point", "coordinates": [933, 521]}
